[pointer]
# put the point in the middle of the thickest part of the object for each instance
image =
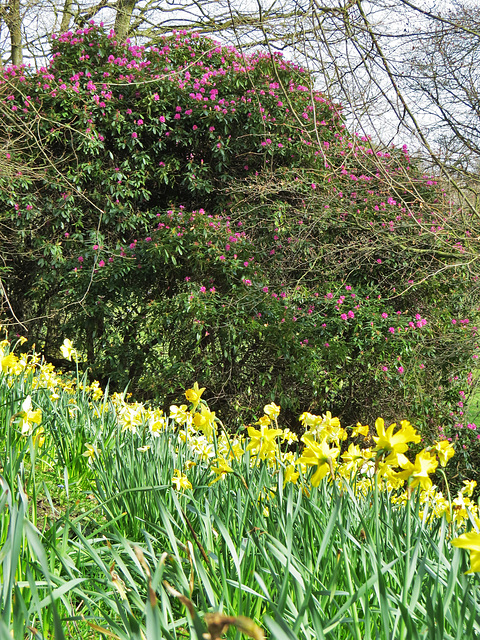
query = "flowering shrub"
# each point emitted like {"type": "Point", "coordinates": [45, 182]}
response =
{"type": "Point", "coordinates": [201, 214]}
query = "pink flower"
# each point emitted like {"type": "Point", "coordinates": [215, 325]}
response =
{"type": "Point", "coordinates": [80, 259]}
{"type": "Point", "coordinates": [422, 366]}
{"type": "Point", "coordinates": [95, 247]}
{"type": "Point", "coordinates": [101, 263]}
{"type": "Point", "coordinates": [379, 261]}
{"type": "Point", "coordinates": [351, 314]}
{"type": "Point", "coordinates": [344, 316]}
{"type": "Point", "coordinates": [203, 289]}
{"type": "Point", "coordinates": [391, 329]}
{"type": "Point", "coordinates": [162, 118]}
{"type": "Point", "coordinates": [400, 369]}
{"type": "Point", "coordinates": [384, 315]}
{"type": "Point", "coordinates": [327, 345]}
{"type": "Point", "coordinates": [265, 289]}
{"type": "Point", "coordinates": [134, 134]}
{"type": "Point", "coordinates": [384, 368]}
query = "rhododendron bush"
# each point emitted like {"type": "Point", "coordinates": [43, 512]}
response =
{"type": "Point", "coordinates": [184, 212]}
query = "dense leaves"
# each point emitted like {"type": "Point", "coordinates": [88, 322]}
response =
{"type": "Point", "coordinates": [187, 212]}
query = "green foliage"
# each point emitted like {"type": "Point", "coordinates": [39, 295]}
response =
{"type": "Point", "coordinates": [199, 214]}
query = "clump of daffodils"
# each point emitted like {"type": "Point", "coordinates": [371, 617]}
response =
{"type": "Point", "coordinates": [324, 452]}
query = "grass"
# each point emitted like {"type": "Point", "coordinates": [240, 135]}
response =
{"type": "Point", "coordinates": [106, 547]}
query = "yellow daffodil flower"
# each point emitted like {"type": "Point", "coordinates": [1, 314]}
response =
{"type": "Point", "coordinates": [289, 436]}
{"type": "Point", "coordinates": [360, 430]}
{"type": "Point", "coordinates": [180, 414]}
{"type": "Point", "coordinates": [470, 541]}
{"type": "Point", "coordinates": [389, 442]}
{"type": "Point", "coordinates": [68, 352]}
{"type": "Point", "coordinates": [180, 481]}
{"type": "Point", "coordinates": [194, 395]}
{"type": "Point", "coordinates": [469, 487]}
{"type": "Point", "coordinates": [28, 417]}
{"type": "Point", "coordinates": [290, 475]}
{"type": "Point", "coordinates": [262, 442]}
{"type": "Point", "coordinates": [444, 450]}
{"type": "Point", "coordinates": [39, 437]}
{"type": "Point", "coordinates": [264, 421]}
{"type": "Point", "coordinates": [9, 363]}
{"type": "Point", "coordinates": [425, 464]}
{"type": "Point", "coordinates": [157, 422]}
{"type": "Point", "coordinates": [90, 453]}
{"type": "Point", "coordinates": [205, 421]}
{"type": "Point", "coordinates": [221, 470]}
{"type": "Point", "coordinates": [272, 410]}
{"type": "Point", "coordinates": [318, 454]}
{"type": "Point", "coordinates": [353, 459]}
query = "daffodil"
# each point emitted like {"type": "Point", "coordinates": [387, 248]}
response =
{"type": "Point", "coordinates": [290, 475]}
{"type": "Point", "coordinates": [68, 352]}
{"type": "Point", "coordinates": [272, 410]}
{"type": "Point", "coordinates": [180, 414]}
{"type": "Point", "coordinates": [205, 421]}
{"type": "Point", "coordinates": [470, 541]}
{"type": "Point", "coordinates": [220, 470]}
{"type": "Point", "coordinates": [318, 454]}
{"type": "Point", "coordinates": [263, 441]}
{"type": "Point", "coordinates": [289, 436]}
{"type": "Point", "coordinates": [425, 464]}
{"type": "Point", "coordinates": [392, 444]}
{"type": "Point", "coordinates": [90, 453]}
{"type": "Point", "coordinates": [353, 459]}
{"type": "Point", "coordinates": [180, 481]}
{"type": "Point", "coordinates": [444, 450]}
{"type": "Point", "coordinates": [9, 363]}
{"type": "Point", "coordinates": [39, 437]}
{"type": "Point", "coordinates": [157, 422]}
{"type": "Point", "coordinates": [28, 417]}
{"type": "Point", "coordinates": [360, 430]}
{"type": "Point", "coordinates": [469, 487]}
{"type": "Point", "coordinates": [194, 395]}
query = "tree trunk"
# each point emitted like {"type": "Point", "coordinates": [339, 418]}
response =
{"type": "Point", "coordinates": [66, 16]}
{"type": "Point", "coordinates": [122, 20]}
{"type": "Point", "coordinates": [14, 24]}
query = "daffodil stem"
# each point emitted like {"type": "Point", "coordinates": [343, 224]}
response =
{"type": "Point", "coordinates": [356, 621]}
{"type": "Point", "coordinates": [406, 582]}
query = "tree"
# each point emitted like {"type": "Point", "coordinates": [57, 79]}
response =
{"type": "Point", "coordinates": [208, 216]}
